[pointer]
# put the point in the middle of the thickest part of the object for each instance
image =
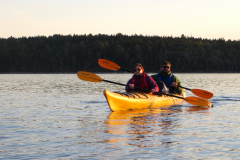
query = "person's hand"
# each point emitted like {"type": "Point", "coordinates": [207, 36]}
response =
{"type": "Point", "coordinates": [154, 90]}
{"type": "Point", "coordinates": [174, 84]}
{"type": "Point", "coordinates": [131, 86]}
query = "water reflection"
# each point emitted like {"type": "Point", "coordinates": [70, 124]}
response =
{"type": "Point", "coordinates": [139, 127]}
{"type": "Point", "coordinates": [196, 108]}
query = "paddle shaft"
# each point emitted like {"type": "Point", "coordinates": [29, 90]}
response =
{"type": "Point", "coordinates": [142, 89]}
{"type": "Point", "coordinates": [178, 85]}
{"type": "Point", "coordinates": [125, 70]}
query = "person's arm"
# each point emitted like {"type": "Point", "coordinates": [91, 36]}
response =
{"type": "Point", "coordinates": [151, 83]}
{"type": "Point", "coordinates": [178, 90]}
{"type": "Point", "coordinates": [128, 89]}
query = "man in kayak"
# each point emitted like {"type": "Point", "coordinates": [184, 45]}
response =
{"type": "Point", "coordinates": [141, 80]}
{"type": "Point", "coordinates": [165, 76]}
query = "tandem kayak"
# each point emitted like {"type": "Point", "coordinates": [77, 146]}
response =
{"type": "Point", "coordinates": [136, 100]}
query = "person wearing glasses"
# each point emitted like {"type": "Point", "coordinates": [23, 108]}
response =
{"type": "Point", "coordinates": [141, 80]}
{"type": "Point", "coordinates": [167, 78]}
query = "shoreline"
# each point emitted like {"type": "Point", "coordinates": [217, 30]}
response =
{"type": "Point", "coordinates": [114, 72]}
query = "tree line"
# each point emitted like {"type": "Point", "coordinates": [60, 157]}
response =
{"type": "Point", "coordinates": [72, 53]}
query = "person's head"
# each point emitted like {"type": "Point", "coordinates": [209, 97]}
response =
{"type": "Point", "coordinates": [138, 69]}
{"type": "Point", "coordinates": [165, 67]}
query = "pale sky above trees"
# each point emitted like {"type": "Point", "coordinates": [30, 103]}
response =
{"type": "Point", "coordinates": [197, 18]}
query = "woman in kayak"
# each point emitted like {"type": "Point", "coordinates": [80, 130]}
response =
{"type": "Point", "coordinates": [141, 80]}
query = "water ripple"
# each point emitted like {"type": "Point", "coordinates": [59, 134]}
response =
{"type": "Point", "coordinates": [58, 116]}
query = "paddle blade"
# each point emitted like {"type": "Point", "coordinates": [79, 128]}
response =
{"type": "Point", "coordinates": [108, 64]}
{"type": "Point", "coordinates": [202, 93]}
{"type": "Point", "coordinates": [197, 101]}
{"type": "Point", "coordinates": [87, 76]}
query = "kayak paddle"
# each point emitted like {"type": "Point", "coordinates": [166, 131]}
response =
{"type": "Point", "coordinates": [113, 66]}
{"type": "Point", "coordinates": [87, 76]}
{"type": "Point", "coordinates": [198, 92]}
{"type": "Point", "coordinates": [110, 65]}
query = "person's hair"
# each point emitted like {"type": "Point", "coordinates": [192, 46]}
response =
{"type": "Point", "coordinates": [166, 63]}
{"type": "Point", "coordinates": [137, 64]}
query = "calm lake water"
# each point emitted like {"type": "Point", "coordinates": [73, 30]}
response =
{"type": "Point", "coordinates": [58, 116]}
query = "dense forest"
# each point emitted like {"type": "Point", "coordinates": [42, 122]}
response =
{"type": "Point", "coordinates": [72, 53]}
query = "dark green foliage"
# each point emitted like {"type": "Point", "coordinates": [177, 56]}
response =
{"type": "Point", "coordinates": [59, 53]}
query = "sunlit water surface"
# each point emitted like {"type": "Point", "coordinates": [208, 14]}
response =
{"type": "Point", "coordinates": [58, 116]}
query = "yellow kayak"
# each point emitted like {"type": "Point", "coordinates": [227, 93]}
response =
{"type": "Point", "coordinates": [135, 100]}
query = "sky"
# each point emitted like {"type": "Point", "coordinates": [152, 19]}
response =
{"type": "Point", "coordinates": [211, 19]}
